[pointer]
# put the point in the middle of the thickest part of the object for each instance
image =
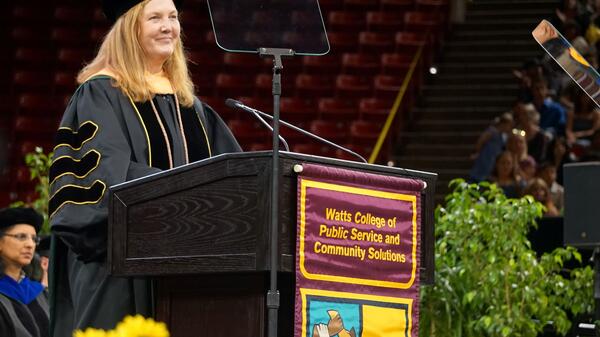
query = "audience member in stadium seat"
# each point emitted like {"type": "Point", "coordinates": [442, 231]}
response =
{"type": "Point", "coordinates": [505, 175]}
{"type": "Point", "coordinates": [140, 72]}
{"type": "Point", "coordinates": [547, 172]}
{"type": "Point", "coordinates": [552, 114]}
{"type": "Point", "coordinates": [560, 154]}
{"type": "Point", "coordinates": [527, 119]}
{"type": "Point", "coordinates": [583, 120]}
{"type": "Point", "coordinates": [592, 152]}
{"type": "Point", "coordinates": [489, 145]}
{"type": "Point", "coordinates": [538, 189]}
{"type": "Point", "coordinates": [517, 146]}
{"type": "Point", "coordinates": [572, 10]}
{"type": "Point", "coordinates": [23, 302]}
{"type": "Point", "coordinates": [528, 169]}
{"type": "Point", "coordinates": [531, 71]}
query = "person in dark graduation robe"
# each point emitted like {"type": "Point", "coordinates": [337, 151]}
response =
{"type": "Point", "coordinates": [23, 302]}
{"type": "Point", "coordinates": [126, 120]}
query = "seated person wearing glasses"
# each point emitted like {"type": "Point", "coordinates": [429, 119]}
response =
{"type": "Point", "coordinates": [23, 302]}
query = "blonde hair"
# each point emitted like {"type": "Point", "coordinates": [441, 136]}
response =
{"type": "Point", "coordinates": [121, 53]}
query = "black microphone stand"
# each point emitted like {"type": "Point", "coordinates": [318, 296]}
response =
{"type": "Point", "coordinates": [273, 293]}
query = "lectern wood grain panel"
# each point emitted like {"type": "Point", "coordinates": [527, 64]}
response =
{"type": "Point", "coordinates": [201, 232]}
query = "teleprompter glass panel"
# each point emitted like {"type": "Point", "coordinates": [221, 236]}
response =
{"type": "Point", "coordinates": [247, 25]}
{"type": "Point", "coordinates": [570, 60]}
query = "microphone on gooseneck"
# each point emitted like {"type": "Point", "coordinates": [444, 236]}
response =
{"type": "Point", "coordinates": [232, 103]}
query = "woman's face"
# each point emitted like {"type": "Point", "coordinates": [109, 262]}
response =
{"type": "Point", "coordinates": [13, 251]}
{"type": "Point", "coordinates": [504, 165]}
{"type": "Point", "coordinates": [159, 31]}
{"type": "Point", "coordinates": [539, 193]}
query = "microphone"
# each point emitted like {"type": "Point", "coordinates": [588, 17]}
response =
{"type": "Point", "coordinates": [232, 103]}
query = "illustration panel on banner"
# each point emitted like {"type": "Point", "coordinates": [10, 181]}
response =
{"type": "Point", "coordinates": [329, 314]}
{"type": "Point", "coordinates": [357, 236]}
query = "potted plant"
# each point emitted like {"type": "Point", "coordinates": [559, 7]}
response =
{"type": "Point", "coordinates": [489, 282]}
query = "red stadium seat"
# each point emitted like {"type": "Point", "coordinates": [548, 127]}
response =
{"type": "Point", "coordinates": [375, 109]}
{"type": "Point", "coordinates": [69, 37]}
{"type": "Point", "coordinates": [361, 5]}
{"type": "Point", "coordinates": [238, 62]}
{"type": "Point", "coordinates": [333, 131]}
{"type": "Point", "coordinates": [416, 21]}
{"type": "Point", "coordinates": [29, 36]}
{"type": "Point", "coordinates": [326, 64]}
{"type": "Point", "coordinates": [36, 13]}
{"type": "Point", "coordinates": [39, 104]}
{"type": "Point", "coordinates": [396, 64]}
{"type": "Point", "coordinates": [32, 81]}
{"type": "Point", "coordinates": [363, 150]}
{"type": "Point", "coordinates": [385, 21]}
{"type": "Point", "coordinates": [228, 85]}
{"type": "Point", "coordinates": [331, 5]}
{"type": "Point", "coordinates": [264, 84]}
{"type": "Point", "coordinates": [364, 132]}
{"type": "Point", "coordinates": [73, 58]}
{"type": "Point", "coordinates": [264, 104]}
{"type": "Point", "coordinates": [337, 109]}
{"type": "Point", "coordinates": [38, 127]}
{"type": "Point", "coordinates": [247, 133]}
{"type": "Point", "coordinates": [372, 42]}
{"type": "Point", "coordinates": [301, 18]}
{"type": "Point", "coordinates": [204, 82]}
{"type": "Point", "coordinates": [314, 149]}
{"type": "Point", "coordinates": [411, 42]}
{"type": "Point", "coordinates": [388, 87]}
{"type": "Point", "coordinates": [34, 58]}
{"type": "Point", "coordinates": [341, 42]}
{"type": "Point", "coordinates": [346, 21]}
{"type": "Point", "coordinates": [397, 5]}
{"type": "Point", "coordinates": [218, 104]}
{"type": "Point", "coordinates": [97, 34]}
{"type": "Point", "coordinates": [27, 146]}
{"type": "Point", "coordinates": [194, 19]}
{"type": "Point", "coordinates": [262, 146]}
{"type": "Point", "coordinates": [360, 64]}
{"type": "Point", "coordinates": [436, 6]}
{"type": "Point", "coordinates": [295, 109]}
{"type": "Point", "coordinates": [74, 16]}
{"type": "Point", "coordinates": [65, 82]}
{"type": "Point", "coordinates": [310, 86]}
{"type": "Point", "coordinates": [353, 86]}
{"type": "Point", "coordinates": [196, 38]}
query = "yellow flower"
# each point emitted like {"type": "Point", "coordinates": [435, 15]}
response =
{"type": "Point", "coordinates": [138, 326]}
{"type": "Point", "coordinates": [90, 332]}
{"type": "Point", "coordinates": [131, 326]}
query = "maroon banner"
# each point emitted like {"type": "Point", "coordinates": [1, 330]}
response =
{"type": "Point", "coordinates": [357, 254]}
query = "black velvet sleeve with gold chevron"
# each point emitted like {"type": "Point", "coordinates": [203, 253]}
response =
{"type": "Point", "coordinates": [104, 140]}
{"type": "Point", "coordinates": [95, 148]}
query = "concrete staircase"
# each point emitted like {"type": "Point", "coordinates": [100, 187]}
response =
{"type": "Point", "coordinates": [474, 84]}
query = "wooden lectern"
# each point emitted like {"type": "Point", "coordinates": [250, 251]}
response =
{"type": "Point", "coordinates": [201, 233]}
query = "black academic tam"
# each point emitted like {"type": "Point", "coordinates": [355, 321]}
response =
{"type": "Point", "coordinates": [113, 9]}
{"type": "Point", "coordinates": [20, 215]}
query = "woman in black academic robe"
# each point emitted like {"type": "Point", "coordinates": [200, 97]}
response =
{"type": "Point", "coordinates": [134, 114]}
{"type": "Point", "coordinates": [23, 302]}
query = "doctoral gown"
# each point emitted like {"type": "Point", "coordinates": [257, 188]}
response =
{"type": "Point", "coordinates": [23, 308]}
{"type": "Point", "coordinates": [106, 138]}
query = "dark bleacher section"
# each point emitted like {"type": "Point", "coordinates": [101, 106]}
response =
{"type": "Point", "coordinates": [344, 96]}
